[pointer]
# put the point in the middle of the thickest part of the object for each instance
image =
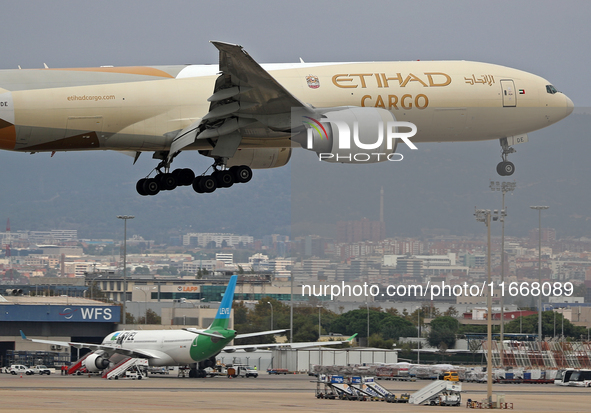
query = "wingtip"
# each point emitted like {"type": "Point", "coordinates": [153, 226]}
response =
{"type": "Point", "coordinates": [221, 45]}
{"type": "Point", "coordinates": [23, 335]}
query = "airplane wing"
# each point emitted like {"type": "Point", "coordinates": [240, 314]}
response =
{"type": "Point", "coordinates": [245, 335]}
{"type": "Point", "coordinates": [244, 94]}
{"type": "Point", "coordinates": [203, 333]}
{"type": "Point", "coordinates": [259, 333]}
{"type": "Point", "coordinates": [95, 347]}
{"type": "Point", "coordinates": [253, 347]}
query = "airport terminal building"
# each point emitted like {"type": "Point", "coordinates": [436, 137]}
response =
{"type": "Point", "coordinates": [51, 318]}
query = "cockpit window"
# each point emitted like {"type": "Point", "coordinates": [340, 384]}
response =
{"type": "Point", "coordinates": [551, 89]}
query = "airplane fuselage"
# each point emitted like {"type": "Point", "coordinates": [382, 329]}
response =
{"type": "Point", "coordinates": [170, 347]}
{"type": "Point", "coordinates": [142, 108]}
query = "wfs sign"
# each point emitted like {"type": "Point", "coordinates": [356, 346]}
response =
{"type": "Point", "coordinates": [54, 313]}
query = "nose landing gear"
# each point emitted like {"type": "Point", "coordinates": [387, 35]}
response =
{"type": "Point", "coordinates": [505, 168]}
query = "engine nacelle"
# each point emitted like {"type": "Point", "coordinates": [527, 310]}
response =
{"type": "Point", "coordinates": [259, 158]}
{"type": "Point", "coordinates": [96, 362]}
{"type": "Point", "coordinates": [354, 135]}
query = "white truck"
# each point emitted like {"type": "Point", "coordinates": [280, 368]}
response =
{"type": "Point", "coordinates": [40, 369]}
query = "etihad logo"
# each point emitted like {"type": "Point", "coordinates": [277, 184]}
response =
{"type": "Point", "coordinates": [382, 80]}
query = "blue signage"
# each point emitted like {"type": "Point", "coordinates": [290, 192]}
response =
{"type": "Point", "coordinates": [60, 313]}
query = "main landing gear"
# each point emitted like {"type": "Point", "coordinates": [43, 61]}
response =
{"type": "Point", "coordinates": [505, 168]}
{"type": "Point", "coordinates": [220, 178]}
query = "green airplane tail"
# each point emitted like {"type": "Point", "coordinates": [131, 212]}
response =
{"type": "Point", "coordinates": [222, 318]}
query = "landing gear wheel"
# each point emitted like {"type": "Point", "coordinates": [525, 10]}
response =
{"type": "Point", "coordinates": [187, 177]}
{"type": "Point", "coordinates": [509, 168]}
{"type": "Point", "coordinates": [505, 168]}
{"type": "Point", "coordinates": [208, 184]}
{"type": "Point", "coordinates": [139, 187]}
{"type": "Point", "coordinates": [224, 179]}
{"type": "Point", "coordinates": [167, 182]}
{"type": "Point", "coordinates": [151, 186]}
{"type": "Point", "coordinates": [241, 173]}
{"type": "Point", "coordinates": [196, 185]}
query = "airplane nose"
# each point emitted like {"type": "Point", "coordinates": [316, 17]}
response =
{"type": "Point", "coordinates": [569, 105]}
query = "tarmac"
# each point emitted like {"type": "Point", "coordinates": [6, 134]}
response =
{"type": "Point", "coordinates": [267, 393]}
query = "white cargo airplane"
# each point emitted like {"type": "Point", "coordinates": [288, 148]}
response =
{"type": "Point", "coordinates": [247, 116]}
{"type": "Point", "coordinates": [188, 346]}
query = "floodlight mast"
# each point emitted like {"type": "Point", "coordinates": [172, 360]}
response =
{"type": "Point", "coordinates": [504, 187]}
{"type": "Point", "coordinates": [539, 209]}
{"type": "Point", "coordinates": [486, 215]}
{"type": "Point", "coordinates": [124, 299]}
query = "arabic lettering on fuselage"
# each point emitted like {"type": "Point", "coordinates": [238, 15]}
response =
{"type": "Point", "coordinates": [483, 80]}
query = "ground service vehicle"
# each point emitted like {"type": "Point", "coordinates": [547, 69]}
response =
{"type": "Point", "coordinates": [19, 369]}
{"type": "Point", "coordinates": [451, 376]}
{"type": "Point", "coordinates": [40, 369]}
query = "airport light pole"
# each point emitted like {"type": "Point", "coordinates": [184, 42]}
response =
{"type": "Point", "coordinates": [125, 218]}
{"type": "Point", "coordinates": [291, 307]}
{"type": "Point", "coordinates": [419, 335]}
{"type": "Point", "coordinates": [269, 302]}
{"type": "Point", "coordinates": [486, 215]}
{"type": "Point", "coordinates": [504, 187]}
{"type": "Point", "coordinates": [319, 309]}
{"type": "Point", "coordinates": [367, 305]}
{"type": "Point", "coordinates": [539, 209]}
{"type": "Point", "coordinates": [145, 291]}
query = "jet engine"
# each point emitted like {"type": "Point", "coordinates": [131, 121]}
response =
{"type": "Point", "coordinates": [352, 134]}
{"type": "Point", "coordinates": [96, 362]}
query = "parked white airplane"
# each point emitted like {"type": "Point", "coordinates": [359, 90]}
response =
{"type": "Point", "coordinates": [246, 116]}
{"type": "Point", "coordinates": [189, 346]}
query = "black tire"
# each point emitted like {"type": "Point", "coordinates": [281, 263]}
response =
{"type": "Point", "coordinates": [139, 187]}
{"type": "Point", "coordinates": [242, 173]}
{"type": "Point", "coordinates": [224, 179]}
{"type": "Point", "coordinates": [186, 177]}
{"type": "Point", "coordinates": [508, 168]}
{"type": "Point", "coordinates": [13, 373]}
{"type": "Point", "coordinates": [208, 184]}
{"type": "Point", "coordinates": [151, 186]}
{"type": "Point", "coordinates": [501, 168]}
{"type": "Point", "coordinates": [168, 182]}
{"type": "Point", "coordinates": [196, 186]}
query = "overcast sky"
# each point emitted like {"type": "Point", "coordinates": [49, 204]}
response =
{"type": "Point", "coordinates": [548, 38]}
